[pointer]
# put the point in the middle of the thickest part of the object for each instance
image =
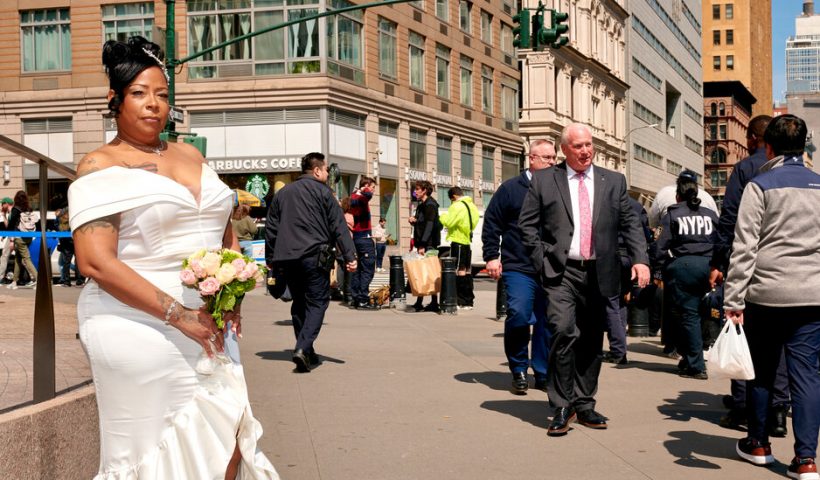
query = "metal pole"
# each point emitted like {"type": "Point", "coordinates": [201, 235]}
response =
{"type": "Point", "coordinates": [170, 59]}
{"type": "Point", "coordinates": [398, 298]}
{"type": "Point", "coordinates": [448, 300]}
{"type": "Point", "coordinates": [44, 356]}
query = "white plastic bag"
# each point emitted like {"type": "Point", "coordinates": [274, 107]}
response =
{"type": "Point", "coordinates": [730, 355]}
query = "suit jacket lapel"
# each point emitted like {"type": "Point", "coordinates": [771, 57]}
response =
{"type": "Point", "coordinates": [560, 173]}
{"type": "Point", "coordinates": [599, 187]}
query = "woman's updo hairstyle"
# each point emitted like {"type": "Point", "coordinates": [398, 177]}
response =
{"type": "Point", "coordinates": [688, 189]}
{"type": "Point", "coordinates": [124, 61]}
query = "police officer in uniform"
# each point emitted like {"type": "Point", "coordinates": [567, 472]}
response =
{"type": "Point", "coordinates": [684, 248]}
{"type": "Point", "coordinates": [304, 223]}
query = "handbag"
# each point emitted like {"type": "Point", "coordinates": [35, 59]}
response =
{"type": "Point", "coordinates": [423, 275]}
{"type": "Point", "coordinates": [730, 355]}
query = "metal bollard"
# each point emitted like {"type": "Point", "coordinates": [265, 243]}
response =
{"type": "Point", "coordinates": [398, 299]}
{"type": "Point", "coordinates": [448, 300]}
{"type": "Point", "coordinates": [500, 300]}
{"type": "Point", "coordinates": [637, 317]}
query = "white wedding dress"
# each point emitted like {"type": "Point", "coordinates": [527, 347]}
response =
{"type": "Point", "coordinates": [159, 417]}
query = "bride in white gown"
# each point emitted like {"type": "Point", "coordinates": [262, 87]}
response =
{"type": "Point", "coordinates": [139, 207]}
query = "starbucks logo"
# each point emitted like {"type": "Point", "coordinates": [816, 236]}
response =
{"type": "Point", "coordinates": [258, 186]}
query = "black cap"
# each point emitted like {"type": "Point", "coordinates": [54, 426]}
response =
{"type": "Point", "coordinates": [688, 175]}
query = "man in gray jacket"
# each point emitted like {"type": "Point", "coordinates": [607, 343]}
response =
{"type": "Point", "coordinates": [771, 290]}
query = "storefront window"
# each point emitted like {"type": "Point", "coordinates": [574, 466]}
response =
{"type": "Point", "coordinates": [388, 206]}
{"type": "Point", "coordinates": [418, 149]}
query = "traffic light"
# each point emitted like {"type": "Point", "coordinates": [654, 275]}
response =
{"type": "Point", "coordinates": [201, 144]}
{"type": "Point", "coordinates": [537, 28]}
{"type": "Point", "coordinates": [544, 36]}
{"type": "Point", "coordinates": [521, 31]}
{"type": "Point", "coordinates": [559, 28]}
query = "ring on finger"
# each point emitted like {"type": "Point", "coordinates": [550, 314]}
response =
{"type": "Point", "coordinates": [213, 337]}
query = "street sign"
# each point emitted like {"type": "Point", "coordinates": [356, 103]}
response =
{"type": "Point", "coordinates": [177, 115]}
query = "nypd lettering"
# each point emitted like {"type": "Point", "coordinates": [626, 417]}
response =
{"type": "Point", "coordinates": [695, 225]}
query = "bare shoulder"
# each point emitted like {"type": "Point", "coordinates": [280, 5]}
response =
{"type": "Point", "coordinates": [94, 161]}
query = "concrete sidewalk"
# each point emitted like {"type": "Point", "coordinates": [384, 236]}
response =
{"type": "Point", "coordinates": [418, 395]}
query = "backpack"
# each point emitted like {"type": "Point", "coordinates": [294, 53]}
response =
{"type": "Point", "coordinates": [28, 221]}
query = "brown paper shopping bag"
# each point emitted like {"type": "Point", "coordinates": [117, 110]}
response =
{"type": "Point", "coordinates": [424, 275]}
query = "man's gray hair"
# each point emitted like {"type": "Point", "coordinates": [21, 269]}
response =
{"type": "Point", "coordinates": [537, 143]}
{"type": "Point", "coordinates": [565, 132]}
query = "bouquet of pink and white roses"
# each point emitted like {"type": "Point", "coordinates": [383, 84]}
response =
{"type": "Point", "coordinates": [222, 278]}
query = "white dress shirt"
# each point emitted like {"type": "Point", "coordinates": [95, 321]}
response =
{"type": "Point", "coordinates": [589, 181]}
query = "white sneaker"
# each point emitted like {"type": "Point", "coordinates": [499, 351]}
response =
{"type": "Point", "coordinates": [30, 285]}
{"type": "Point", "coordinates": [12, 286]}
{"type": "Point", "coordinates": [465, 307]}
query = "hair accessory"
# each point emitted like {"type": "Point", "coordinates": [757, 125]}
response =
{"type": "Point", "coordinates": [159, 62]}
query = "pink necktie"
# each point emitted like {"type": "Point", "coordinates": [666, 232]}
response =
{"type": "Point", "coordinates": [586, 217]}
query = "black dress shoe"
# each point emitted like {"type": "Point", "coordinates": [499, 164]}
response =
{"type": "Point", "coordinates": [301, 361]}
{"type": "Point", "coordinates": [592, 419]}
{"type": "Point", "coordinates": [736, 419]}
{"type": "Point", "coordinates": [777, 421]}
{"type": "Point", "coordinates": [313, 359]}
{"type": "Point", "coordinates": [433, 307]}
{"type": "Point", "coordinates": [365, 306]}
{"type": "Point", "coordinates": [519, 383]}
{"type": "Point", "coordinates": [560, 421]}
{"type": "Point", "coordinates": [610, 357]}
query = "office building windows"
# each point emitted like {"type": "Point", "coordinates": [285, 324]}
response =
{"type": "Point", "coordinates": [486, 89]}
{"type": "Point", "coordinates": [730, 37]}
{"type": "Point", "coordinates": [46, 40]}
{"type": "Point", "coordinates": [443, 10]}
{"type": "Point", "coordinates": [730, 62]}
{"type": "Point", "coordinates": [418, 149]}
{"type": "Point", "coordinates": [387, 48]}
{"type": "Point", "coordinates": [715, 12]}
{"type": "Point", "coordinates": [442, 71]}
{"type": "Point", "coordinates": [716, 62]}
{"type": "Point", "coordinates": [715, 37]}
{"type": "Point", "coordinates": [730, 11]}
{"type": "Point", "coordinates": [467, 81]}
{"type": "Point", "coordinates": [125, 20]}
{"type": "Point", "coordinates": [467, 161]}
{"type": "Point", "coordinates": [416, 61]}
{"type": "Point", "coordinates": [465, 11]}
{"type": "Point", "coordinates": [486, 27]}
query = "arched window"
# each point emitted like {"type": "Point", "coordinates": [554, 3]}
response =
{"type": "Point", "coordinates": [713, 108]}
{"type": "Point", "coordinates": [722, 109]}
{"type": "Point", "coordinates": [718, 156]}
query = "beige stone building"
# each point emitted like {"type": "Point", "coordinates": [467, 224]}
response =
{"type": "Point", "coordinates": [584, 81]}
{"type": "Point", "coordinates": [427, 90]}
{"type": "Point", "coordinates": [737, 45]}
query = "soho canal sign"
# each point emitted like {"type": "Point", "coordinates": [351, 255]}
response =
{"type": "Point", "coordinates": [256, 164]}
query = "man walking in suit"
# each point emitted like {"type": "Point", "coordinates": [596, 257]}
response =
{"type": "Point", "coordinates": [569, 222]}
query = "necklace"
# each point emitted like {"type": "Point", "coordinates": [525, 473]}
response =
{"type": "Point", "coordinates": [156, 150]}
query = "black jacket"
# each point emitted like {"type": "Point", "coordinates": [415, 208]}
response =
{"type": "Point", "coordinates": [303, 216]}
{"type": "Point", "coordinates": [427, 229]}
{"type": "Point", "coordinates": [686, 231]}
{"type": "Point", "coordinates": [744, 171]}
{"type": "Point", "coordinates": [501, 223]}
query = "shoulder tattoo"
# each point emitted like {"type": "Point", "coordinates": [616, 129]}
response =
{"type": "Point", "coordinates": [87, 165]}
{"type": "Point", "coordinates": [110, 223]}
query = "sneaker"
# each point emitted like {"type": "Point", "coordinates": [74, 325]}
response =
{"type": "Point", "coordinates": [803, 469]}
{"type": "Point", "coordinates": [465, 307]}
{"type": "Point", "coordinates": [12, 286]}
{"type": "Point", "coordinates": [757, 453]}
{"type": "Point", "coordinates": [31, 284]}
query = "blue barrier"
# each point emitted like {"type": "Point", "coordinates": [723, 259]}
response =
{"type": "Point", "coordinates": [35, 234]}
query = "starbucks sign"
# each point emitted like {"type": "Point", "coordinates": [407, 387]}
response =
{"type": "Point", "coordinates": [258, 186]}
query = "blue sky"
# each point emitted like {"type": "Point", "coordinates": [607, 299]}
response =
{"type": "Point", "coordinates": [783, 14]}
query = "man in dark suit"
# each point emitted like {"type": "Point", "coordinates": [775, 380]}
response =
{"type": "Point", "coordinates": [569, 222]}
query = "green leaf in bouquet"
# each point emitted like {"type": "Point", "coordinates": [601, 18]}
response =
{"type": "Point", "coordinates": [229, 255]}
{"type": "Point", "coordinates": [227, 302]}
{"type": "Point", "coordinates": [218, 319]}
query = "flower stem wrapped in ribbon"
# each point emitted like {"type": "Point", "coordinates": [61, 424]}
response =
{"type": "Point", "coordinates": [222, 278]}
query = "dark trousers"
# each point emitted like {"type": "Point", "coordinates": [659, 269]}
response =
{"type": "Point", "coordinates": [575, 319]}
{"type": "Point", "coordinates": [360, 283]}
{"type": "Point", "coordinates": [526, 310]}
{"type": "Point", "coordinates": [616, 316]}
{"type": "Point", "coordinates": [381, 248]}
{"type": "Point", "coordinates": [688, 282]}
{"type": "Point", "coordinates": [780, 392]}
{"type": "Point", "coordinates": [769, 330]}
{"type": "Point", "coordinates": [464, 283]}
{"type": "Point", "coordinates": [310, 286]}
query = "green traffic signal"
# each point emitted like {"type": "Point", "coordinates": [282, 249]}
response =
{"type": "Point", "coordinates": [537, 26]}
{"type": "Point", "coordinates": [522, 29]}
{"type": "Point", "coordinates": [559, 28]}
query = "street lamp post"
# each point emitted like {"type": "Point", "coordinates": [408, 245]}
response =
{"type": "Point", "coordinates": [621, 152]}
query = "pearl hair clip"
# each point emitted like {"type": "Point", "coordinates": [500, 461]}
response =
{"type": "Point", "coordinates": [159, 62]}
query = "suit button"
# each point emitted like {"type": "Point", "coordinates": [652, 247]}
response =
{"type": "Point", "coordinates": [566, 252]}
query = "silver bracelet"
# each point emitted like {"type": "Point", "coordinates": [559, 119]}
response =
{"type": "Point", "coordinates": [169, 311]}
